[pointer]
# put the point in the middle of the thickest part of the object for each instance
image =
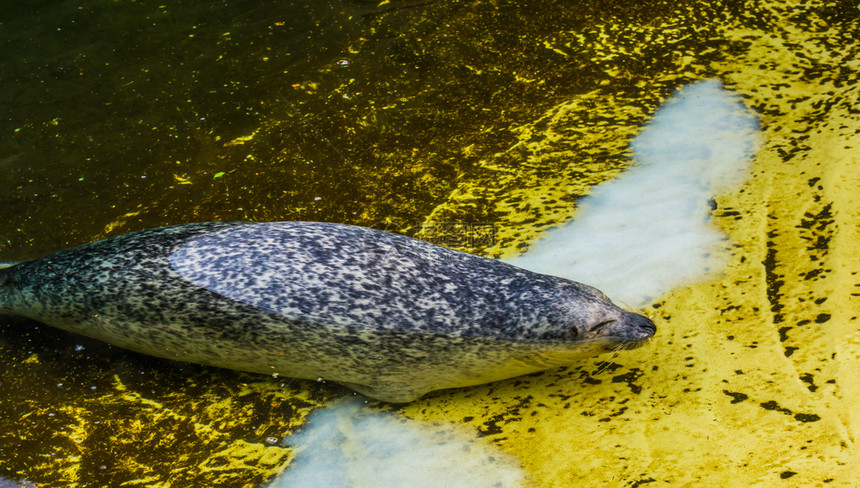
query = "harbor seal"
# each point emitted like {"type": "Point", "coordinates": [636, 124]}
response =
{"type": "Point", "coordinates": [389, 316]}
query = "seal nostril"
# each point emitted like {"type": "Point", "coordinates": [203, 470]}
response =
{"type": "Point", "coordinates": [642, 324]}
{"type": "Point", "coordinates": [648, 326]}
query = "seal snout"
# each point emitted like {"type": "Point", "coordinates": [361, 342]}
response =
{"type": "Point", "coordinates": [641, 327]}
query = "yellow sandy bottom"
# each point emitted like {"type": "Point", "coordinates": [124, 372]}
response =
{"type": "Point", "coordinates": [754, 376]}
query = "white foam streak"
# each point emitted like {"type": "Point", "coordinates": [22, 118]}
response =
{"type": "Point", "coordinates": [345, 445]}
{"type": "Point", "coordinates": [646, 232]}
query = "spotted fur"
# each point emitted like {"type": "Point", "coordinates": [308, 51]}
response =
{"type": "Point", "coordinates": [389, 316]}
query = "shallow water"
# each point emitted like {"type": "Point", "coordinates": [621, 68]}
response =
{"type": "Point", "coordinates": [429, 118]}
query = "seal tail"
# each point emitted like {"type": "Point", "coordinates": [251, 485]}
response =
{"type": "Point", "coordinates": [9, 264]}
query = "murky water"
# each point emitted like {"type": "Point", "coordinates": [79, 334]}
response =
{"type": "Point", "coordinates": [428, 115]}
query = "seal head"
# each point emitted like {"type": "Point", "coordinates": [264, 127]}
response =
{"type": "Point", "coordinates": [389, 316]}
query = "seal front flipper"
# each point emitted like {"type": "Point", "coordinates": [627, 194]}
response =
{"type": "Point", "coordinates": [388, 392]}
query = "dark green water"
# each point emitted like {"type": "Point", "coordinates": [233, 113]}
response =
{"type": "Point", "coordinates": [359, 113]}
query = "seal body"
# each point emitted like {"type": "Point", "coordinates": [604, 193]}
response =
{"type": "Point", "coordinates": [390, 316]}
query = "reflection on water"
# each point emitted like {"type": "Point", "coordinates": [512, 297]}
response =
{"type": "Point", "coordinates": [125, 115]}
